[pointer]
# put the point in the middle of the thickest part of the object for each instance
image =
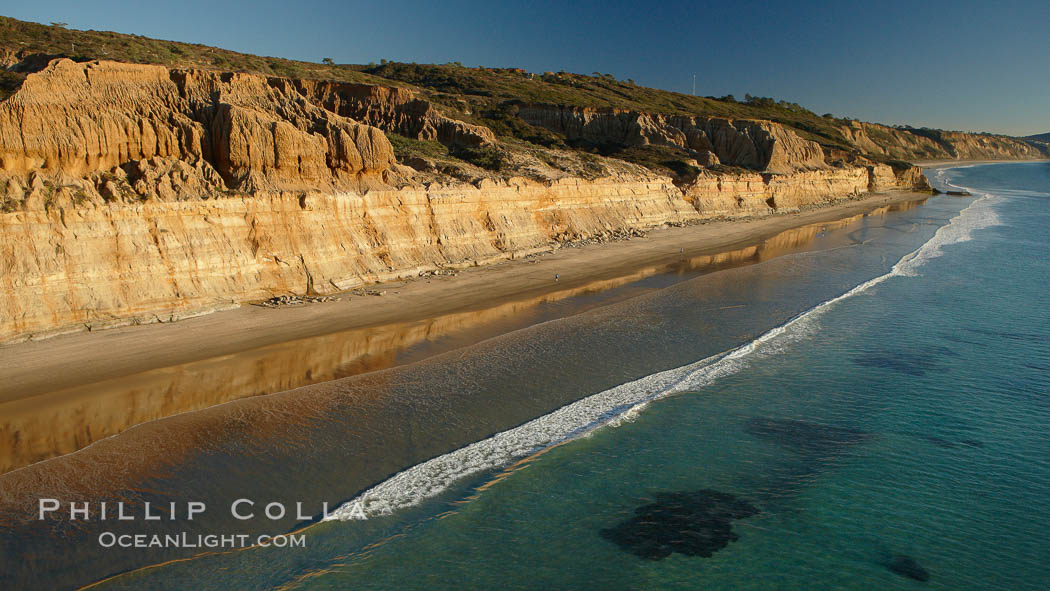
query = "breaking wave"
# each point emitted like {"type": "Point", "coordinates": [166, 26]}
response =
{"type": "Point", "coordinates": [623, 402]}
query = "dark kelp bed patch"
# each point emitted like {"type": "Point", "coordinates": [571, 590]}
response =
{"type": "Point", "coordinates": [906, 566]}
{"type": "Point", "coordinates": [914, 363]}
{"type": "Point", "coordinates": [815, 445]}
{"type": "Point", "coordinates": [697, 523]}
{"type": "Point", "coordinates": [803, 436]}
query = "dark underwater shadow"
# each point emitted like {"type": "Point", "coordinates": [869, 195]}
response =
{"type": "Point", "coordinates": [695, 523]}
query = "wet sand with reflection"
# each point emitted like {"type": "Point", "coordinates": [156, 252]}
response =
{"type": "Point", "coordinates": [40, 423]}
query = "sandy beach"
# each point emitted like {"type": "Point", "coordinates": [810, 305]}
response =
{"type": "Point", "coordinates": [33, 367]}
{"type": "Point", "coordinates": [100, 383]}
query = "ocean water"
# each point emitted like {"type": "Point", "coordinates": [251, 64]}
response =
{"type": "Point", "coordinates": [872, 413]}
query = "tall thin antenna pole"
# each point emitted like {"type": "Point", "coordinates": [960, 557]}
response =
{"type": "Point", "coordinates": [694, 84]}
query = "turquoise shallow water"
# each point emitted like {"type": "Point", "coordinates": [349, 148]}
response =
{"type": "Point", "coordinates": [896, 437]}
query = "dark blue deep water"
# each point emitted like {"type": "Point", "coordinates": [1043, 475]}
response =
{"type": "Point", "coordinates": [870, 415]}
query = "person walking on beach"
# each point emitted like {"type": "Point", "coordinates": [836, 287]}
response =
{"type": "Point", "coordinates": [555, 276]}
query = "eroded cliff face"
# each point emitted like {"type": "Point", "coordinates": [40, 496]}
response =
{"type": "Point", "coordinates": [748, 194]}
{"type": "Point", "coordinates": [104, 264]}
{"type": "Point", "coordinates": [911, 144]}
{"type": "Point", "coordinates": [76, 121]}
{"type": "Point", "coordinates": [134, 193]}
{"type": "Point", "coordinates": [391, 109]}
{"type": "Point", "coordinates": [760, 145]}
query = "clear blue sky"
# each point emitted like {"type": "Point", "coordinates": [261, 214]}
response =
{"type": "Point", "coordinates": [950, 64]}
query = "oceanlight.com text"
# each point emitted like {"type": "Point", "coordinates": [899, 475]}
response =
{"type": "Point", "coordinates": [209, 541]}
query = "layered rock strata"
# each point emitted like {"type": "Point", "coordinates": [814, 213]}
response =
{"type": "Point", "coordinates": [748, 194]}
{"type": "Point", "coordinates": [760, 145]}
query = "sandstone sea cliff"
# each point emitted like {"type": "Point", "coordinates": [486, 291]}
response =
{"type": "Point", "coordinates": [136, 193]}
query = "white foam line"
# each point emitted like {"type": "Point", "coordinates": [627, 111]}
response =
{"type": "Point", "coordinates": [623, 402]}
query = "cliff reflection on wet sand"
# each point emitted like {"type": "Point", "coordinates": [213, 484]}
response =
{"type": "Point", "coordinates": [60, 422]}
